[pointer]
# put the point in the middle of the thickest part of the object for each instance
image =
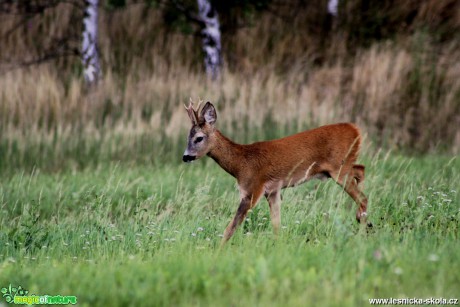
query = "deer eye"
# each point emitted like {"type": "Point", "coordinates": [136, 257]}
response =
{"type": "Point", "coordinates": [198, 139]}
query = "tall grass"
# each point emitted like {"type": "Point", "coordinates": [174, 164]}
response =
{"type": "Point", "coordinates": [144, 235]}
{"type": "Point", "coordinates": [404, 93]}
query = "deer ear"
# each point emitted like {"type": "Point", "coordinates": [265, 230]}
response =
{"type": "Point", "coordinates": [208, 113]}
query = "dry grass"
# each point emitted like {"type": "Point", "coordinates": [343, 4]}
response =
{"type": "Point", "coordinates": [404, 93]}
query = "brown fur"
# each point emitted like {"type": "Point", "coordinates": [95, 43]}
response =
{"type": "Point", "coordinates": [264, 168]}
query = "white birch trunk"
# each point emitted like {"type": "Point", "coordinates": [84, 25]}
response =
{"type": "Point", "coordinates": [211, 38]}
{"type": "Point", "coordinates": [333, 7]}
{"type": "Point", "coordinates": [90, 57]}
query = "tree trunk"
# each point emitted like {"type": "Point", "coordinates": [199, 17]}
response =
{"type": "Point", "coordinates": [211, 38]}
{"type": "Point", "coordinates": [332, 7]}
{"type": "Point", "coordinates": [90, 56]}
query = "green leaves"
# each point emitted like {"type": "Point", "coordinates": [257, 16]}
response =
{"type": "Point", "coordinates": [116, 4]}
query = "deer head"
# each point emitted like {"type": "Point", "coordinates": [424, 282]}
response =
{"type": "Point", "coordinates": [201, 136]}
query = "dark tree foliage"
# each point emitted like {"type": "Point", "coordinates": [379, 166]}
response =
{"type": "Point", "coordinates": [46, 48]}
{"type": "Point", "coordinates": [366, 21]}
{"type": "Point", "coordinates": [234, 14]}
{"type": "Point", "coordinates": [359, 23]}
{"type": "Point", "coordinates": [116, 4]}
{"type": "Point", "coordinates": [239, 13]}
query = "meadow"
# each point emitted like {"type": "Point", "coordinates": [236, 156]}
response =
{"type": "Point", "coordinates": [130, 234]}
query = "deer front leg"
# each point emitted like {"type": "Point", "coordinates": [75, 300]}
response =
{"type": "Point", "coordinates": [240, 215]}
{"type": "Point", "coordinates": [274, 201]}
{"type": "Point", "coordinates": [247, 202]}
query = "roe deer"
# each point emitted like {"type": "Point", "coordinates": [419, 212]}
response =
{"type": "Point", "coordinates": [264, 168]}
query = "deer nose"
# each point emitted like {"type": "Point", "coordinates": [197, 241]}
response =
{"type": "Point", "coordinates": [188, 158]}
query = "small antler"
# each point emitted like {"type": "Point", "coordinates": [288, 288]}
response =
{"type": "Point", "coordinates": [192, 112]}
{"type": "Point", "coordinates": [200, 101]}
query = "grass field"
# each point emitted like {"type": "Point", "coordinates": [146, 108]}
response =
{"type": "Point", "coordinates": [96, 203]}
{"type": "Point", "coordinates": [120, 234]}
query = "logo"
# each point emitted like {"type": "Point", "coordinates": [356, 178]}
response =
{"type": "Point", "coordinates": [19, 295]}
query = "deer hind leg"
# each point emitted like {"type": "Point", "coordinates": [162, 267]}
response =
{"type": "Point", "coordinates": [358, 173]}
{"type": "Point", "coordinates": [274, 201]}
{"type": "Point", "coordinates": [247, 202]}
{"type": "Point", "coordinates": [349, 181]}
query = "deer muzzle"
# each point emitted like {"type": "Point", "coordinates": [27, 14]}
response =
{"type": "Point", "coordinates": [188, 158]}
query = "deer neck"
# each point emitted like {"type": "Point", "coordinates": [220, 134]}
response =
{"type": "Point", "coordinates": [227, 154]}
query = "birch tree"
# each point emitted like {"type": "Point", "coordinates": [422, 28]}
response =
{"type": "Point", "coordinates": [211, 38]}
{"type": "Point", "coordinates": [332, 7]}
{"type": "Point", "coordinates": [90, 56]}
